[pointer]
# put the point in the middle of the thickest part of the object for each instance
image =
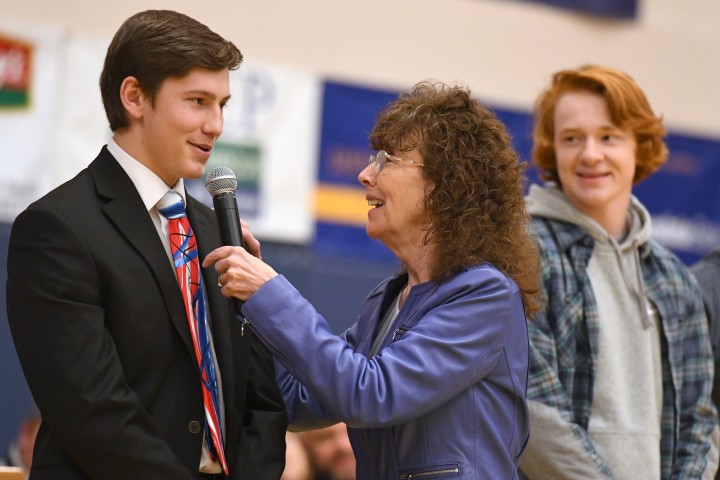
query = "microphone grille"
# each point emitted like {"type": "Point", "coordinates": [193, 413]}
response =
{"type": "Point", "coordinates": [220, 180]}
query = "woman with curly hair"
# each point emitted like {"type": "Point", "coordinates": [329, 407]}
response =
{"type": "Point", "coordinates": [431, 380]}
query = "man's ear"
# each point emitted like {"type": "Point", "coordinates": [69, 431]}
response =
{"type": "Point", "coordinates": [132, 97]}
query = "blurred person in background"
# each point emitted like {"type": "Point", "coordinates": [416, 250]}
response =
{"type": "Point", "coordinates": [621, 365]}
{"type": "Point", "coordinates": [20, 451]}
{"type": "Point", "coordinates": [297, 459]}
{"type": "Point", "coordinates": [330, 452]}
{"type": "Point", "coordinates": [707, 273]}
{"type": "Point", "coordinates": [431, 380]}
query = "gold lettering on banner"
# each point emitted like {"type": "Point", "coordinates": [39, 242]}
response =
{"type": "Point", "coordinates": [682, 164]}
{"type": "Point", "coordinates": [347, 162]}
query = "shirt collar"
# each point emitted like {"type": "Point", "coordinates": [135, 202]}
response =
{"type": "Point", "coordinates": [150, 187]}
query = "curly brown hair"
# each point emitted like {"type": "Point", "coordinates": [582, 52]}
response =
{"type": "Point", "coordinates": [475, 199]}
{"type": "Point", "coordinates": [628, 107]}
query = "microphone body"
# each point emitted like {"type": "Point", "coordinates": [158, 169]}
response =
{"type": "Point", "coordinates": [228, 218]}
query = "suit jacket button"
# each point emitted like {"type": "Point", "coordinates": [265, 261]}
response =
{"type": "Point", "coordinates": [194, 427]}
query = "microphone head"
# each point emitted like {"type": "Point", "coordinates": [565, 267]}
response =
{"type": "Point", "coordinates": [220, 180]}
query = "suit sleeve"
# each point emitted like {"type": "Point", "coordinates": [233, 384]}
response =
{"type": "Point", "coordinates": [56, 315]}
{"type": "Point", "coordinates": [262, 439]}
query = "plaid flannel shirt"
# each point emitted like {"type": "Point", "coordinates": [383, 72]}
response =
{"type": "Point", "coordinates": [564, 340]}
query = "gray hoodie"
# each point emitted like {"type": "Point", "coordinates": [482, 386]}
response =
{"type": "Point", "coordinates": [626, 411]}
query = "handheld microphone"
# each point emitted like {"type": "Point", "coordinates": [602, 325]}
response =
{"type": "Point", "coordinates": [221, 184]}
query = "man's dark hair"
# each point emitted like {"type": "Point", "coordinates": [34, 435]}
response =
{"type": "Point", "coordinates": [155, 45]}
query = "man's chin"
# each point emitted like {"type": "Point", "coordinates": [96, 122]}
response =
{"type": "Point", "coordinates": [197, 172]}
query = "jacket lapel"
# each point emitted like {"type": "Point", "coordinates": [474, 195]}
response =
{"type": "Point", "coordinates": [126, 210]}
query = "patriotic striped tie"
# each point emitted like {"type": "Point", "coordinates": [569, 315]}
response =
{"type": "Point", "coordinates": [185, 258]}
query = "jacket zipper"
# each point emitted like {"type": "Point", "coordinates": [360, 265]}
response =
{"type": "Point", "coordinates": [399, 332]}
{"type": "Point", "coordinates": [242, 326]}
{"type": "Point", "coordinates": [410, 476]}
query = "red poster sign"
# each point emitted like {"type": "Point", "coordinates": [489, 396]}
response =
{"type": "Point", "coordinates": [15, 60]}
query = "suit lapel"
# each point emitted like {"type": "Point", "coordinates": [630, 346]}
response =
{"type": "Point", "coordinates": [126, 210]}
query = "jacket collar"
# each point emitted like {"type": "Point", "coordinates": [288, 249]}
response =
{"type": "Point", "coordinates": [126, 210]}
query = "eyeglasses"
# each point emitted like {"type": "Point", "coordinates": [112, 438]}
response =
{"type": "Point", "coordinates": [382, 158]}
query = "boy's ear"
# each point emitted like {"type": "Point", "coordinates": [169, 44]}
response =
{"type": "Point", "coordinates": [132, 97]}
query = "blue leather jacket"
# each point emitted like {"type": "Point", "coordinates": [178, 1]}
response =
{"type": "Point", "coordinates": [443, 398]}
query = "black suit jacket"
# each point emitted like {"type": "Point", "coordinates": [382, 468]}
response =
{"type": "Point", "coordinates": [99, 326]}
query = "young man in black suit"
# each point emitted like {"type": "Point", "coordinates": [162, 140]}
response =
{"type": "Point", "coordinates": [98, 318]}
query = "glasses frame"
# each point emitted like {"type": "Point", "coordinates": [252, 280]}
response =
{"type": "Point", "coordinates": [380, 160]}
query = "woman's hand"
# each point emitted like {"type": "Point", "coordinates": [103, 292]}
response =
{"type": "Point", "coordinates": [241, 274]}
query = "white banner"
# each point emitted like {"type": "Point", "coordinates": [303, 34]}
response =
{"type": "Point", "coordinates": [271, 141]}
{"type": "Point", "coordinates": [29, 113]}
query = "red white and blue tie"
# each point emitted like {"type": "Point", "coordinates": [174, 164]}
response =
{"type": "Point", "coordinates": [185, 258]}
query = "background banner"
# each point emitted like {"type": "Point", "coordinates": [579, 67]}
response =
{"type": "Point", "coordinates": [348, 115]}
{"type": "Point", "coordinates": [604, 8]}
{"type": "Point", "coordinates": [270, 141]}
{"type": "Point", "coordinates": [30, 72]}
{"type": "Point", "coordinates": [684, 197]}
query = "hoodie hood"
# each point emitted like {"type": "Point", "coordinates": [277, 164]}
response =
{"type": "Point", "coordinates": [551, 203]}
